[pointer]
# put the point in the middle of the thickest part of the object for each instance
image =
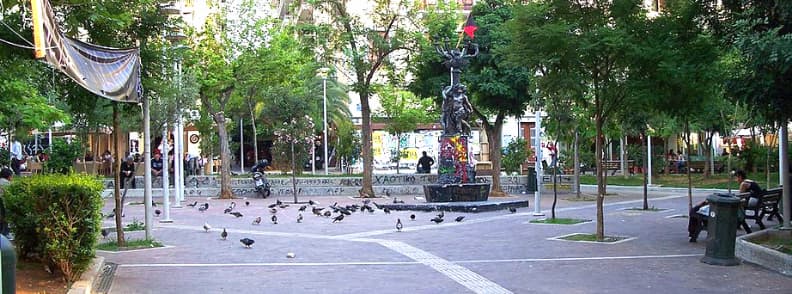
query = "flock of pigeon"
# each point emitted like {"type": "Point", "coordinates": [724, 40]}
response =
{"type": "Point", "coordinates": [328, 212]}
{"type": "Point", "coordinates": [339, 211]}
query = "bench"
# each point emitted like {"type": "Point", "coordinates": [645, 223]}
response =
{"type": "Point", "coordinates": [698, 166]}
{"type": "Point", "coordinates": [767, 205]}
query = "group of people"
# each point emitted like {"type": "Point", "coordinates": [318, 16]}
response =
{"type": "Point", "coordinates": [19, 159]}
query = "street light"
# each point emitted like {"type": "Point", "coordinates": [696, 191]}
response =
{"type": "Point", "coordinates": [323, 73]}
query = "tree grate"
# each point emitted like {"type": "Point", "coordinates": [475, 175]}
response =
{"type": "Point", "coordinates": [105, 279]}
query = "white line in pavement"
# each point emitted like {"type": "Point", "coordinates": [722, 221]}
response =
{"type": "Point", "coordinates": [461, 275]}
{"type": "Point", "coordinates": [491, 218]}
{"type": "Point", "coordinates": [268, 264]}
{"type": "Point", "coordinates": [578, 258]}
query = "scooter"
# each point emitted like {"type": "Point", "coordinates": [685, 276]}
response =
{"type": "Point", "coordinates": [262, 185]}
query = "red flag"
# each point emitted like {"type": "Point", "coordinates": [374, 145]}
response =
{"type": "Point", "coordinates": [470, 26]}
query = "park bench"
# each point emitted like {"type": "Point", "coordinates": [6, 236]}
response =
{"type": "Point", "coordinates": [767, 205]}
{"type": "Point", "coordinates": [698, 166]}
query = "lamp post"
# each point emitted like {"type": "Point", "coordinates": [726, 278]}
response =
{"type": "Point", "coordinates": [323, 73]}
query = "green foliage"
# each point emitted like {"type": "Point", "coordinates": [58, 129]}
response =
{"type": "Point", "coordinates": [516, 153]}
{"type": "Point", "coordinates": [560, 221]}
{"type": "Point", "coordinates": [130, 245]}
{"type": "Point", "coordinates": [136, 225]}
{"type": "Point", "coordinates": [63, 156]}
{"type": "Point", "coordinates": [57, 217]}
{"type": "Point", "coordinates": [348, 148]}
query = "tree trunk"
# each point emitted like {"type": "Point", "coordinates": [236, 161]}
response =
{"type": "Point", "coordinates": [293, 174]}
{"type": "Point", "coordinates": [494, 140]}
{"type": "Point", "coordinates": [225, 157]}
{"type": "Point", "coordinates": [367, 189]}
{"type": "Point", "coordinates": [600, 179]}
{"type": "Point", "coordinates": [255, 137]}
{"type": "Point", "coordinates": [577, 164]}
{"type": "Point", "coordinates": [707, 153]}
{"type": "Point", "coordinates": [119, 207]}
{"type": "Point", "coordinates": [398, 152]}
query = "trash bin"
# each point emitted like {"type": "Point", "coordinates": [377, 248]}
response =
{"type": "Point", "coordinates": [531, 186]}
{"type": "Point", "coordinates": [722, 229]}
{"type": "Point", "coordinates": [8, 265]}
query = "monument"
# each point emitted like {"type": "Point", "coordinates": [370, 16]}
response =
{"type": "Point", "coordinates": [456, 179]}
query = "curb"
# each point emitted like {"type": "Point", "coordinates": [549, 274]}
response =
{"type": "Point", "coordinates": [85, 284]}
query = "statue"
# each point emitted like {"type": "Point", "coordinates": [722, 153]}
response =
{"type": "Point", "coordinates": [456, 110]}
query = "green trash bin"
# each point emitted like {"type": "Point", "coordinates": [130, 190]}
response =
{"type": "Point", "coordinates": [8, 265]}
{"type": "Point", "coordinates": [722, 229]}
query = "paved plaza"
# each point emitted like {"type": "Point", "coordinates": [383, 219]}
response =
{"type": "Point", "coordinates": [489, 252]}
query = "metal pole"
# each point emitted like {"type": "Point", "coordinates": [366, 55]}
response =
{"type": "Point", "coordinates": [147, 173]}
{"type": "Point", "coordinates": [165, 167]}
{"type": "Point", "coordinates": [313, 157]}
{"type": "Point", "coordinates": [649, 158]}
{"type": "Point", "coordinates": [165, 192]}
{"type": "Point", "coordinates": [787, 209]}
{"type": "Point", "coordinates": [780, 163]}
{"type": "Point", "coordinates": [538, 164]}
{"type": "Point", "coordinates": [50, 140]}
{"type": "Point", "coordinates": [178, 160]}
{"type": "Point", "coordinates": [241, 147]}
{"type": "Point", "coordinates": [324, 98]}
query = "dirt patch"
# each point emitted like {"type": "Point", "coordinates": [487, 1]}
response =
{"type": "Point", "coordinates": [31, 278]}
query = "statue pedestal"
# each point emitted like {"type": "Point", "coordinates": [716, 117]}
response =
{"type": "Point", "coordinates": [457, 192]}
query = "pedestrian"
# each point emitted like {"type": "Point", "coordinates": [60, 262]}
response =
{"type": "Point", "coordinates": [5, 179]}
{"type": "Point", "coordinates": [16, 156]}
{"type": "Point", "coordinates": [425, 164]}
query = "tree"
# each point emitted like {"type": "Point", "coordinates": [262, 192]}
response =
{"type": "Point", "coordinates": [402, 111]}
{"type": "Point", "coordinates": [366, 50]}
{"type": "Point", "coordinates": [211, 64]}
{"type": "Point", "coordinates": [591, 40]}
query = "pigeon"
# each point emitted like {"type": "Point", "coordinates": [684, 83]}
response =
{"type": "Point", "coordinates": [366, 202]}
{"type": "Point", "coordinates": [377, 205]}
{"type": "Point", "coordinates": [316, 211]}
{"type": "Point", "coordinates": [247, 203]}
{"type": "Point", "coordinates": [397, 200]}
{"type": "Point", "coordinates": [256, 221]}
{"type": "Point", "coordinates": [227, 210]}
{"type": "Point", "coordinates": [224, 234]}
{"type": "Point", "coordinates": [302, 208]}
{"type": "Point", "coordinates": [273, 205]}
{"type": "Point", "coordinates": [387, 193]}
{"type": "Point", "coordinates": [207, 227]}
{"type": "Point", "coordinates": [512, 209]}
{"type": "Point", "coordinates": [202, 208]}
{"type": "Point", "coordinates": [299, 218]}
{"type": "Point", "coordinates": [399, 225]}
{"type": "Point", "coordinates": [105, 232]}
{"type": "Point", "coordinates": [278, 202]}
{"type": "Point", "coordinates": [412, 217]}
{"type": "Point", "coordinates": [283, 206]}
{"type": "Point", "coordinates": [437, 220]}
{"type": "Point", "coordinates": [328, 213]}
{"type": "Point", "coordinates": [157, 212]}
{"type": "Point", "coordinates": [344, 211]}
{"type": "Point", "coordinates": [460, 218]}
{"type": "Point", "coordinates": [237, 214]}
{"type": "Point", "coordinates": [386, 210]}
{"type": "Point", "coordinates": [274, 219]}
{"type": "Point", "coordinates": [193, 204]}
{"type": "Point", "coordinates": [273, 210]}
{"type": "Point", "coordinates": [247, 242]}
{"type": "Point", "coordinates": [311, 202]}
{"type": "Point", "coordinates": [441, 214]}
{"type": "Point", "coordinates": [338, 218]}
{"type": "Point", "coordinates": [232, 205]}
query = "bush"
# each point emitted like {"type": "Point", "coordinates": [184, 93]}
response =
{"type": "Point", "coordinates": [514, 155]}
{"type": "Point", "coordinates": [56, 217]}
{"type": "Point", "coordinates": [63, 156]}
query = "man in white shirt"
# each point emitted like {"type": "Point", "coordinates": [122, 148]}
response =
{"type": "Point", "coordinates": [16, 156]}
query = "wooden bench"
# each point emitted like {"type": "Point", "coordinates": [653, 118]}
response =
{"type": "Point", "coordinates": [698, 166]}
{"type": "Point", "coordinates": [766, 205]}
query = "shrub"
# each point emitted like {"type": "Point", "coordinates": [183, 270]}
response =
{"type": "Point", "coordinates": [63, 156]}
{"type": "Point", "coordinates": [57, 217]}
{"type": "Point", "coordinates": [515, 154]}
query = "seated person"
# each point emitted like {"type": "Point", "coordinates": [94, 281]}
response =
{"type": "Point", "coordinates": [156, 165]}
{"type": "Point", "coordinates": [128, 172]}
{"type": "Point", "coordinates": [700, 212]}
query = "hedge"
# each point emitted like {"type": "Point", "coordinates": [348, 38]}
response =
{"type": "Point", "coordinates": [56, 217]}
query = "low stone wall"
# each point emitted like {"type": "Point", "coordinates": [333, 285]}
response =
{"type": "Point", "coordinates": [404, 184]}
{"type": "Point", "coordinates": [766, 257]}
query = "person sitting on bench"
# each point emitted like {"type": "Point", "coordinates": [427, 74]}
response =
{"type": "Point", "coordinates": [698, 215]}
